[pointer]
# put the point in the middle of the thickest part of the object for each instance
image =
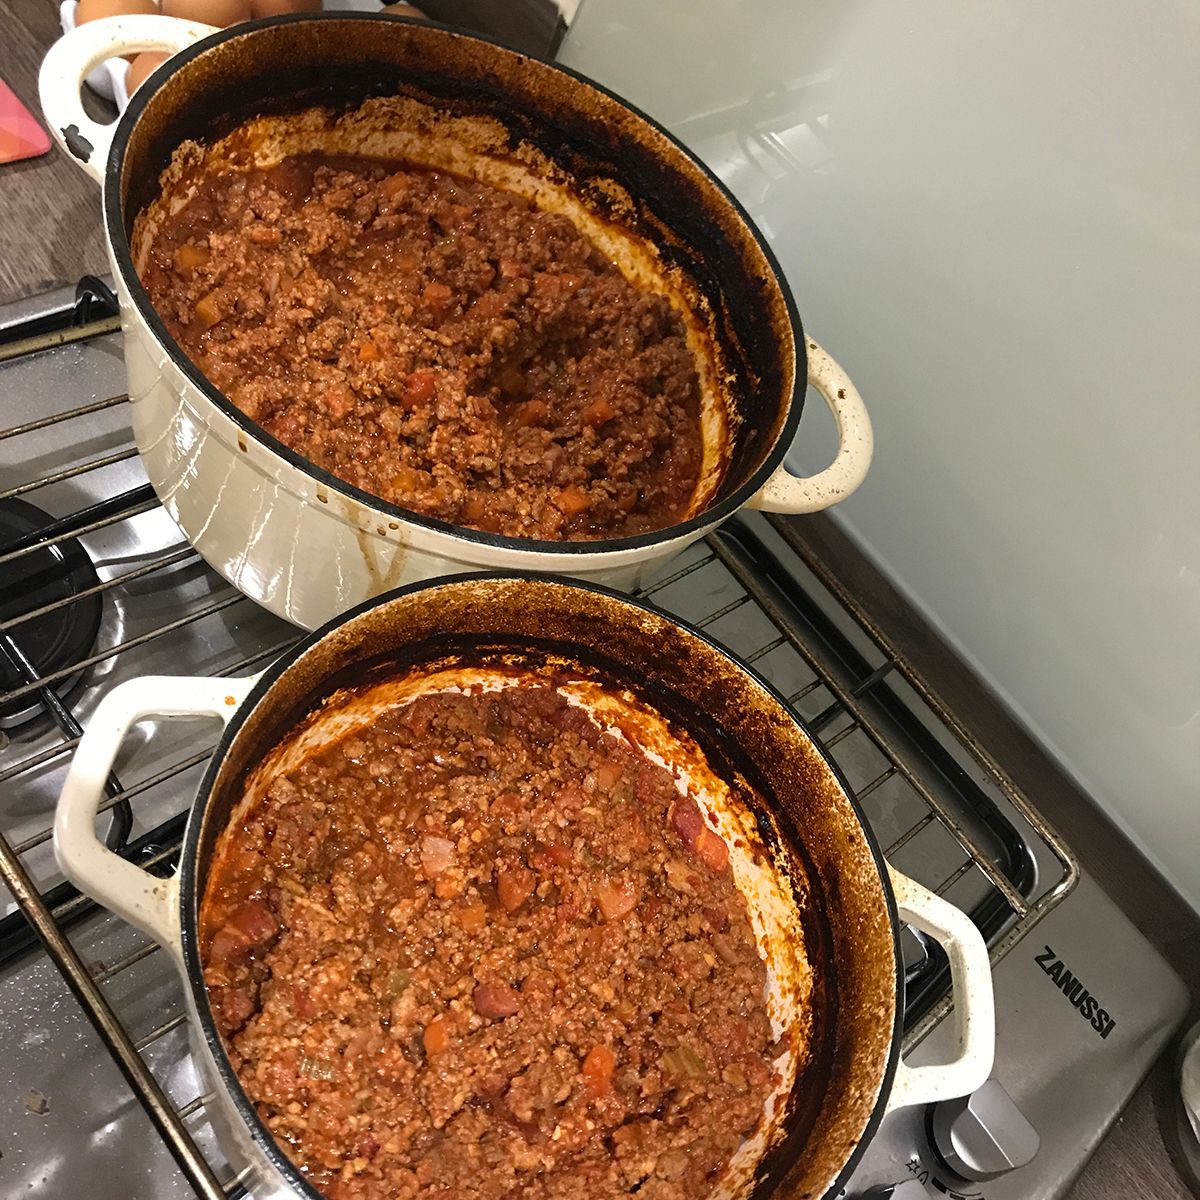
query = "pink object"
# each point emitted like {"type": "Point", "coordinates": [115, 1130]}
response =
{"type": "Point", "coordinates": [21, 134]}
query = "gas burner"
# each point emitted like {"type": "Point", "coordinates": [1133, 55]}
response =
{"type": "Point", "coordinates": [55, 640]}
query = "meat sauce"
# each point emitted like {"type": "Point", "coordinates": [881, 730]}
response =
{"type": "Point", "coordinates": [438, 343]}
{"type": "Point", "coordinates": [483, 949]}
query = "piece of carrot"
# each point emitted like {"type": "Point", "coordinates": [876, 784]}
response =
{"type": "Point", "coordinates": [572, 500]}
{"type": "Point", "coordinates": [436, 1037]}
{"type": "Point", "coordinates": [598, 1066]}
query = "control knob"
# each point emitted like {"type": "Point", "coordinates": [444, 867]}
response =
{"type": "Point", "coordinates": [982, 1135]}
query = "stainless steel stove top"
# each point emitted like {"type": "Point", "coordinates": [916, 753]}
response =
{"type": "Point", "coordinates": [944, 812]}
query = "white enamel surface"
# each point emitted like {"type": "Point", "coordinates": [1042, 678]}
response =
{"type": "Point", "coordinates": [102, 79]}
{"type": "Point", "coordinates": [261, 1179]}
{"type": "Point", "coordinates": [990, 213]}
{"type": "Point", "coordinates": [974, 1001]}
{"type": "Point", "coordinates": [302, 549]}
{"type": "Point", "coordinates": [144, 900]}
{"type": "Point", "coordinates": [154, 905]}
{"type": "Point", "coordinates": [308, 552]}
{"type": "Point", "coordinates": [74, 56]}
{"type": "Point", "coordinates": [771, 908]}
{"type": "Point", "coordinates": [788, 493]}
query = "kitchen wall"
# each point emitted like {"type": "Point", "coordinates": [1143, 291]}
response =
{"type": "Point", "coordinates": [991, 214]}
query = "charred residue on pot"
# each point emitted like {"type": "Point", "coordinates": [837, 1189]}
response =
{"type": "Point", "coordinates": [748, 736]}
{"type": "Point", "coordinates": [618, 165]}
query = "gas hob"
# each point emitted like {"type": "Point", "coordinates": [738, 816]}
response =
{"type": "Point", "coordinates": [97, 585]}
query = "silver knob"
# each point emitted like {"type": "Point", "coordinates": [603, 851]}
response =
{"type": "Point", "coordinates": [906, 1189]}
{"type": "Point", "coordinates": [983, 1135]}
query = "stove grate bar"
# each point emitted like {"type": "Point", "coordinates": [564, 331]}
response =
{"type": "Point", "coordinates": [38, 759]}
{"type": "Point", "coordinates": [232, 597]}
{"type": "Point", "coordinates": [840, 736]}
{"type": "Point", "coordinates": [723, 611]}
{"type": "Point", "coordinates": [66, 746]}
{"type": "Point", "coordinates": [161, 857]}
{"type": "Point", "coordinates": [867, 788]}
{"type": "Point", "coordinates": [94, 527]}
{"type": "Point", "coordinates": [123, 964]}
{"type": "Point", "coordinates": [865, 685]}
{"type": "Point", "coordinates": [923, 822]}
{"type": "Point", "coordinates": [128, 793]}
{"type": "Point", "coordinates": [160, 1031]}
{"type": "Point", "coordinates": [844, 699]}
{"type": "Point", "coordinates": [142, 786]}
{"type": "Point", "coordinates": [58, 418]}
{"type": "Point", "coordinates": [817, 723]}
{"type": "Point", "coordinates": [193, 1106]}
{"type": "Point", "coordinates": [806, 691]}
{"type": "Point", "coordinates": [763, 651]}
{"type": "Point", "coordinates": [234, 1187]}
{"type": "Point", "coordinates": [167, 560]}
{"type": "Point", "coordinates": [961, 872]}
{"type": "Point", "coordinates": [269, 655]}
{"type": "Point", "coordinates": [94, 464]}
{"type": "Point", "coordinates": [659, 584]}
{"type": "Point", "coordinates": [139, 1076]}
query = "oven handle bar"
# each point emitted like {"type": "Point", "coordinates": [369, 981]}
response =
{"type": "Point", "coordinates": [974, 1002]}
{"type": "Point", "coordinates": [788, 493]}
{"type": "Point", "coordinates": [69, 61]}
{"type": "Point", "coordinates": [145, 900]}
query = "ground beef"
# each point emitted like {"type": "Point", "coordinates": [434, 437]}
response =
{"type": "Point", "coordinates": [484, 950]}
{"type": "Point", "coordinates": [438, 343]}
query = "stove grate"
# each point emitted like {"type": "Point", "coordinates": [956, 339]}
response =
{"type": "Point", "coordinates": [918, 774]}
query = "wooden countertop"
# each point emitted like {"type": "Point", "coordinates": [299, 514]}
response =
{"type": "Point", "coordinates": [50, 235]}
{"type": "Point", "coordinates": [50, 230]}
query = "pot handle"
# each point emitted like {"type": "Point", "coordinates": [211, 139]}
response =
{"type": "Point", "coordinates": [788, 493]}
{"type": "Point", "coordinates": [72, 57]}
{"type": "Point", "coordinates": [974, 1007]}
{"type": "Point", "coordinates": [144, 900]}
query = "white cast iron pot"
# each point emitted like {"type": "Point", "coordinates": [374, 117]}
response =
{"type": "Point", "coordinates": [305, 544]}
{"type": "Point", "coordinates": [825, 906]}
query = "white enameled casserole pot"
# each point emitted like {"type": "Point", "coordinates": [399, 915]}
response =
{"type": "Point", "coordinates": [825, 907]}
{"type": "Point", "coordinates": [289, 535]}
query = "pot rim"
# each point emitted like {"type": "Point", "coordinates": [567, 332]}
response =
{"type": "Point", "coordinates": [122, 259]}
{"type": "Point", "coordinates": [189, 897]}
